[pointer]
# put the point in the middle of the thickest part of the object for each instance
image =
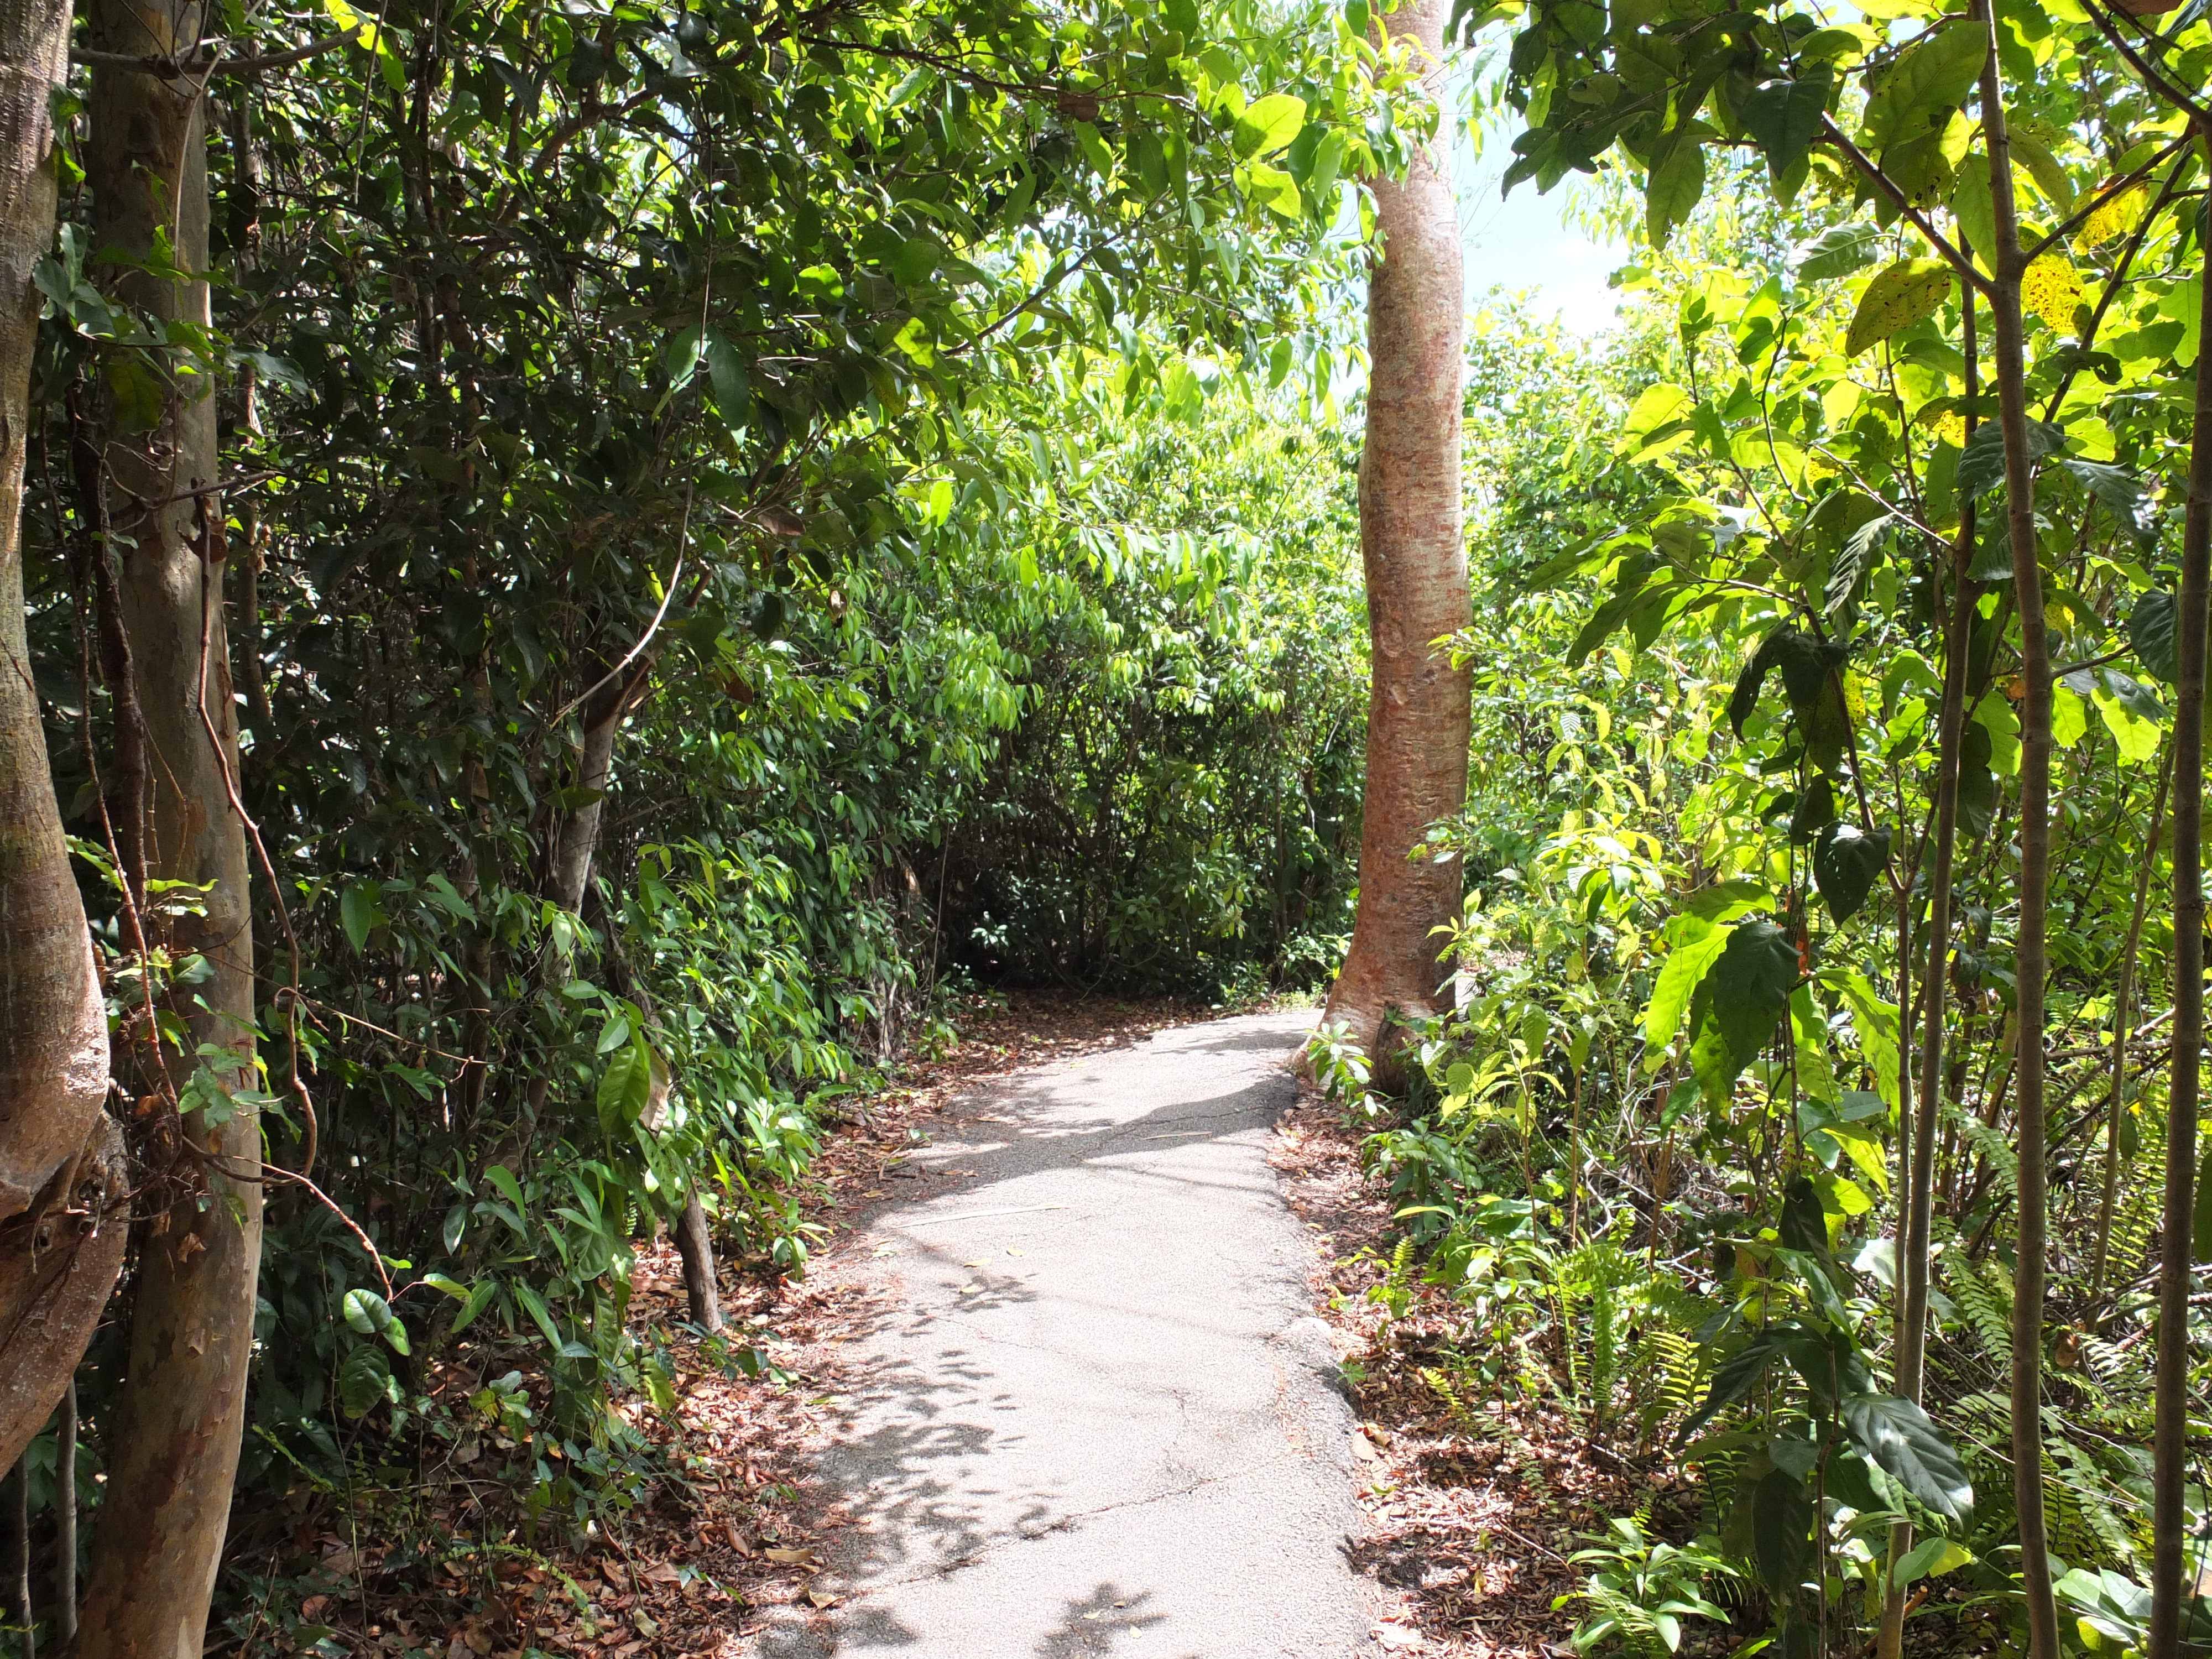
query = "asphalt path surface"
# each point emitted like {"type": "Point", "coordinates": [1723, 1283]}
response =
{"type": "Point", "coordinates": [1100, 1417]}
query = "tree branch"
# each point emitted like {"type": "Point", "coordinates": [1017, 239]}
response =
{"type": "Point", "coordinates": [173, 68]}
{"type": "Point", "coordinates": [1913, 215]}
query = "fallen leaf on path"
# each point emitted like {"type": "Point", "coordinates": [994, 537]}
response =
{"type": "Point", "coordinates": [821, 1598]}
{"type": "Point", "coordinates": [738, 1541]}
{"type": "Point", "coordinates": [798, 1558]}
{"type": "Point", "coordinates": [1011, 1251]}
{"type": "Point", "coordinates": [969, 1290]}
{"type": "Point", "coordinates": [974, 1264]}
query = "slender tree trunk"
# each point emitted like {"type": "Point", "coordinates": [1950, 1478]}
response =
{"type": "Point", "coordinates": [2171, 1590]}
{"type": "Point", "coordinates": [57, 1176]}
{"type": "Point", "coordinates": [1415, 558]}
{"type": "Point", "coordinates": [2007, 263]}
{"type": "Point", "coordinates": [19, 1548]}
{"type": "Point", "coordinates": [174, 1442]}
{"type": "Point", "coordinates": [576, 836]}
{"type": "Point", "coordinates": [695, 1245]}
{"type": "Point", "coordinates": [2123, 1032]}
{"type": "Point", "coordinates": [1920, 1168]}
{"type": "Point", "coordinates": [65, 1520]}
{"type": "Point", "coordinates": [694, 1239]}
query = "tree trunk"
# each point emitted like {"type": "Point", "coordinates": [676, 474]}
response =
{"type": "Point", "coordinates": [174, 1442]}
{"type": "Point", "coordinates": [2007, 263]}
{"type": "Point", "coordinates": [58, 1174]}
{"type": "Point", "coordinates": [1919, 1174]}
{"type": "Point", "coordinates": [2171, 1590]}
{"type": "Point", "coordinates": [1415, 559]}
{"type": "Point", "coordinates": [696, 1246]}
{"type": "Point", "coordinates": [694, 1240]}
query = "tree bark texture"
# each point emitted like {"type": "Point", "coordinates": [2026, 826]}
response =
{"type": "Point", "coordinates": [1414, 553]}
{"type": "Point", "coordinates": [2172, 1589]}
{"type": "Point", "coordinates": [56, 1177]}
{"type": "Point", "coordinates": [695, 1244]}
{"type": "Point", "coordinates": [2008, 263]}
{"type": "Point", "coordinates": [174, 1443]}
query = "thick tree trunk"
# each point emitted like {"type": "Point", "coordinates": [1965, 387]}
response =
{"type": "Point", "coordinates": [174, 1443]}
{"type": "Point", "coordinates": [2170, 1588]}
{"type": "Point", "coordinates": [1415, 556]}
{"type": "Point", "coordinates": [58, 1174]}
{"type": "Point", "coordinates": [2008, 262]}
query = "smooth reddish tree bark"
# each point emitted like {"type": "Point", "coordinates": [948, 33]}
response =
{"type": "Point", "coordinates": [1413, 547]}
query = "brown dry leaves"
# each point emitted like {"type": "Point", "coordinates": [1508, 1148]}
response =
{"type": "Point", "coordinates": [1468, 1520]}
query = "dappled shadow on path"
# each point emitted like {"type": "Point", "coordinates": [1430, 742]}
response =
{"type": "Point", "coordinates": [970, 1391]}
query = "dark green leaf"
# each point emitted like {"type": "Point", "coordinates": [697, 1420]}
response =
{"type": "Point", "coordinates": [1736, 1375]}
{"type": "Point", "coordinates": [1751, 984]}
{"type": "Point", "coordinates": [1982, 465]}
{"type": "Point", "coordinates": [1897, 1434]}
{"type": "Point", "coordinates": [2122, 493]}
{"type": "Point", "coordinates": [364, 1378]}
{"type": "Point", "coordinates": [1815, 811]}
{"type": "Point", "coordinates": [1846, 860]}
{"type": "Point", "coordinates": [1781, 1531]}
{"type": "Point", "coordinates": [1783, 118]}
{"type": "Point", "coordinates": [2151, 632]}
{"type": "Point", "coordinates": [1804, 1222]}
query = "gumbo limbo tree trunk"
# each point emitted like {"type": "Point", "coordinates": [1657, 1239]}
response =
{"type": "Point", "coordinates": [1415, 557]}
{"type": "Point", "coordinates": [61, 1169]}
{"type": "Point", "coordinates": [174, 1442]}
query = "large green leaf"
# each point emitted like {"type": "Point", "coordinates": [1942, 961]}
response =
{"type": "Point", "coordinates": [1916, 97]}
{"type": "Point", "coordinates": [1672, 189]}
{"type": "Point", "coordinates": [2151, 632]}
{"type": "Point", "coordinates": [626, 1087]}
{"type": "Point", "coordinates": [1838, 252]}
{"type": "Point", "coordinates": [1685, 965]}
{"type": "Point", "coordinates": [1804, 1222]}
{"type": "Point", "coordinates": [1846, 861]}
{"type": "Point", "coordinates": [1741, 1372]}
{"type": "Point", "coordinates": [2122, 494]}
{"type": "Point", "coordinates": [1751, 984]}
{"type": "Point", "coordinates": [364, 1378]}
{"type": "Point", "coordinates": [1269, 125]}
{"type": "Point", "coordinates": [1781, 1531]}
{"type": "Point", "coordinates": [1783, 118]}
{"type": "Point", "coordinates": [1897, 1434]}
{"type": "Point", "coordinates": [361, 910]}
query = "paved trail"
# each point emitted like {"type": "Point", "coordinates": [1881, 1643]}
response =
{"type": "Point", "coordinates": [1118, 1433]}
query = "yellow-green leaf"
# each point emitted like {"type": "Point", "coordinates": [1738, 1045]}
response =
{"type": "Point", "coordinates": [1269, 124]}
{"type": "Point", "coordinates": [1906, 293]}
{"type": "Point", "coordinates": [2050, 289]}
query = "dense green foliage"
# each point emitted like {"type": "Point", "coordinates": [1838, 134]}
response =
{"type": "Point", "coordinates": [1657, 1153]}
{"type": "Point", "coordinates": [898, 425]}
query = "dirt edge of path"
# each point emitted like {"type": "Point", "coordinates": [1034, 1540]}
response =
{"type": "Point", "coordinates": [1472, 1505]}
